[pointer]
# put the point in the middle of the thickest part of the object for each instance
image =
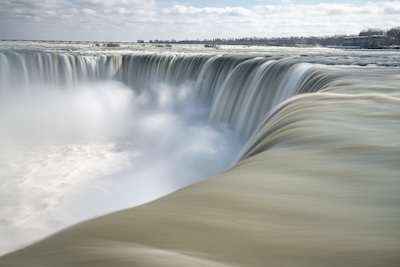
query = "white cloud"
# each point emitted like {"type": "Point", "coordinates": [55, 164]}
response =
{"type": "Point", "coordinates": [118, 3]}
{"type": "Point", "coordinates": [88, 11]}
{"type": "Point", "coordinates": [142, 19]}
{"type": "Point", "coordinates": [182, 10]}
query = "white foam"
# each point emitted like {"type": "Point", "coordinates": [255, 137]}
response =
{"type": "Point", "coordinates": [69, 155]}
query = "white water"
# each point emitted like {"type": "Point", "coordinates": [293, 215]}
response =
{"type": "Point", "coordinates": [71, 154]}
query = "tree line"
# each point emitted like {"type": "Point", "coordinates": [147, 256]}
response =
{"type": "Point", "coordinates": [390, 37]}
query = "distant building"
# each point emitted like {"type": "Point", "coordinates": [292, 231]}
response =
{"type": "Point", "coordinates": [365, 41]}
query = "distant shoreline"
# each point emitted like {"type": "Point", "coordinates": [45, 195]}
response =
{"type": "Point", "coordinates": [203, 43]}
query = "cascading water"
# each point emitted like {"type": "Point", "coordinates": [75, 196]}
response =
{"type": "Point", "coordinates": [75, 147]}
{"type": "Point", "coordinates": [87, 134]}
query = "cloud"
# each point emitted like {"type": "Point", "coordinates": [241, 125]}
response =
{"type": "Point", "coordinates": [88, 11]}
{"type": "Point", "coordinates": [116, 3]}
{"type": "Point", "coordinates": [182, 10]}
{"type": "Point", "coordinates": [391, 8]}
{"type": "Point", "coordinates": [129, 20]}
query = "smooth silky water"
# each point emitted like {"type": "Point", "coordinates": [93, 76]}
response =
{"type": "Point", "coordinates": [307, 141]}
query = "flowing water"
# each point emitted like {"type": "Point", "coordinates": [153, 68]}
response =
{"type": "Point", "coordinates": [310, 137]}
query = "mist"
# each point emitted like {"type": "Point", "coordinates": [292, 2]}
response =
{"type": "Point", "coordinates": [70, 154]}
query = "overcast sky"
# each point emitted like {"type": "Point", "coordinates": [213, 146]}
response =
{"type": "Point", "coordinates": [130, 20]}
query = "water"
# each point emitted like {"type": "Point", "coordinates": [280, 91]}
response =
{"type": "Point", "coordinates": [73, 152]}
{"type": "Point", "coordinates": [312, 135]}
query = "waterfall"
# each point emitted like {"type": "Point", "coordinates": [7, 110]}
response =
{"type": "Point", "coordinates": [242, 90]}
{"type": "Point", "coordinates": [22, 70]}
{"type": "Point", "coordinates": [315, 183]}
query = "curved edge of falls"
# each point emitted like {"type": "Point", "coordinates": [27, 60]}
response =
{"type": "Point", "coordinates": [317, 183]}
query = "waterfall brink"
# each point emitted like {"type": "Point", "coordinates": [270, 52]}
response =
{"type": "Point", "coordinates": [241, 90]}
{"type": "Point", "coordinates": [23, 70]}
{"type": "Point", "coordinates": [317, 183]}
{"type": "Point", "coordinates": [250, 94]}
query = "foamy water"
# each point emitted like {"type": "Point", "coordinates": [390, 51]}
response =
{"type": "Point", "coordinates": [72, 154]}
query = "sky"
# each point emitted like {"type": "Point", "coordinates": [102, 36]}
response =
{"type": "Point", "coordinates": [132, 20]}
